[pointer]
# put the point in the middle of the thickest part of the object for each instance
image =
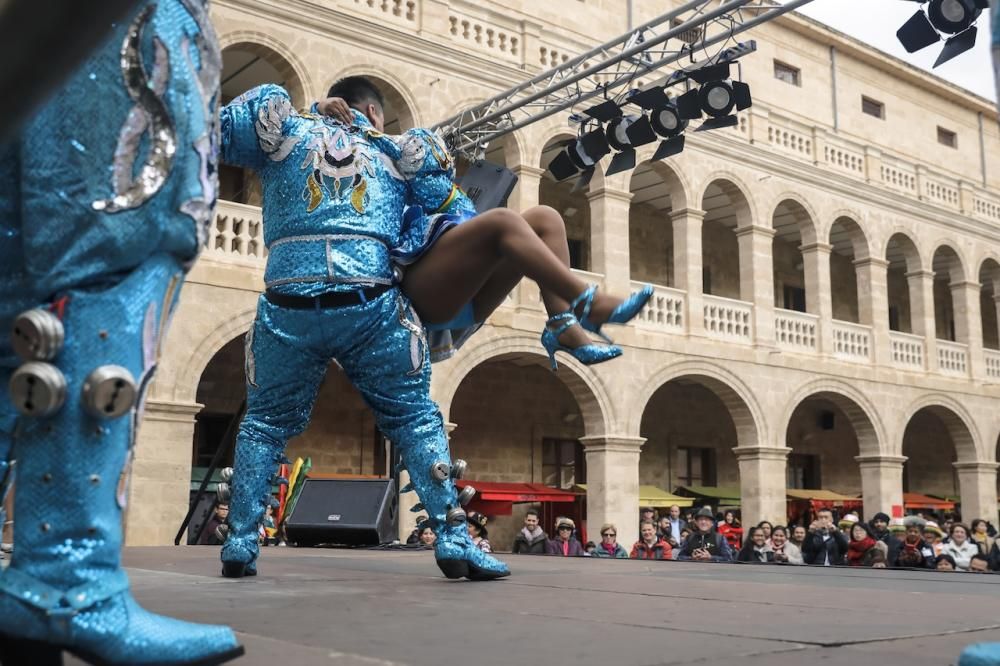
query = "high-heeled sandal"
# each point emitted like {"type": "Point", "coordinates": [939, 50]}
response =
{"type": "Point", "coordinates": [624, 313]}
{"type": "Point", "coordinates": [588, 354]}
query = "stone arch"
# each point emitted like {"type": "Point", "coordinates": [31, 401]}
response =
{"type": "Point", "coordinates": [747, 415]}
{"type": "Point", "coordinates": [801, 212]}
{"type": "Point", "coordinates": [185, 387]}
{"type": "Point", "coordinates": [673, 178]}
{"type": "Point", "coordinates": [957, 421]}
{"type": "Point", "coordinates": [398, 95]}
{"type": "Point", "coordinates": [989, 300]}
{"type": "Point", "coordinates": [542, 141]}
{"type": "Point", "coordinates": [905, 247]}
{"type": "Point", "coordinates": [278, 55]}
{"type": "Point", "coordinates": [947, 257]}
{"type": "Point", "coordinates": [855, 234]}
{"type": "Point", "coordinates": [859, 409]}
{"type": "Point", "coordinates": [733, 187]}
{"type": "Point", "coordinates": [590, 393]}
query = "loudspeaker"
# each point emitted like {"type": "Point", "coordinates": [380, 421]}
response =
{"type": "Point", "coordinates": [488, 185]}
{"type": "Point", "coordinates": [354, 512]}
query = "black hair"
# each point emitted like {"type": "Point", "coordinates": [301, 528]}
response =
{"type": "Point", "coordinates": [946, 558]}
{"type": "Point", "coordinates": [358, 92]}
{"type": "Point", "coordinates": [981, 557]}
{"type": "Point", "coordinates": [531, 512]}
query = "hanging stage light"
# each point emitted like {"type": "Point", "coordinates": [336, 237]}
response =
{"type": "Point", "coordinates": [581, 154]}
{"type": "Point", "coordinates": [625, 134]}
{"type": "Point", "coordinates": [950, 17]}
{"type": "Point", "coordinates": [663, 119]}
{"type": "Point", "coordinates": [718, 97]}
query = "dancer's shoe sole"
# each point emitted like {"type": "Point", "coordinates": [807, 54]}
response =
{"type": "Point", "coordinates": [23, 651]}
{"type": "Point", "coordinates": [455, 569]}
{"type": "Point", "coordinates": [237, 570]}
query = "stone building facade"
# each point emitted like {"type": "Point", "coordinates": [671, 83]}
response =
{"type": "Point", "coordinates": [827, 275]}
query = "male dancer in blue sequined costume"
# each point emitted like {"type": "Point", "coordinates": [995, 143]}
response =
{"type": "Point", "coordinates": [334, 197]}
{"type": "Point", "coordinates": [104, 200]}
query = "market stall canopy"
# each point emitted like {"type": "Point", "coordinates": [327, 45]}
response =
{"type": "Point", "coordinates": [918, 501]}
{"type": "Point", "coordinates": [652, 496]}
{"type": "Point", "coordinates": [723, 495]}
{"type": "Point", "coordinates": [818, 495]}
{"type": "Point", "coordinates": [497, 499]}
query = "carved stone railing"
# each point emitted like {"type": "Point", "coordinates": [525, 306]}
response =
{"type": "Point", "coordinates": [665, 311]}
{"type": "Point", "coordinates": [907, 350]}
{"type": "Point", "coordinates": [992, 363]}
{"type": "Point", "coordinates": [844, 157]}
{"type": "Point", "coordinates": [987, 207]}
{"type": "Point", "coordinates": [790, 138]}
{"type": "Point", "coordinates": [899, 176]}
{"type": "Point", "coordinates": [237, 233]}
{"type": "Point", "coordinates": [795, 331]}
{"type": "Point", "coordinates": [490, 33]}
{"type": "Point", "coordinates": [728, 319]}
{"type": "Point", "coordinates": [852, 342]}
{"type": "Point", "coordinates": [953, 358]}
{"type": "Point", "coordinates": [941, 193]}
{"type": "Point", "coordinates": [400, 12]}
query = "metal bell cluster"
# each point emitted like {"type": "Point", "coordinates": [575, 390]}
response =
{"type": "Point", "coordinates": [38, 388]}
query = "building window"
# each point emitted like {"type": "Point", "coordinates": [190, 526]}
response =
{"type": "Point", "coordinates": [873, 108]}
{"type": "Point", "coordinates": [794, 298]}
{"type": "Point", "coordinates": [947, 138]}
{"type": "Point", "coordinates": [787, 73]}
{"type": "Point", "coordinates": [696, 466]}
{"type": "Point", "coordinates": [563, 463]}
{"type": "Point", "coordinates": [802, 471]}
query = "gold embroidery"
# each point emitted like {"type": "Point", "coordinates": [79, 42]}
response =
{"type": "Point", "coordinates": [315, 194]}
{"type": "Point", "coordinates": [358, 197]}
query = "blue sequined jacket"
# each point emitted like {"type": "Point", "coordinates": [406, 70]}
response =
{"type": "Point", "coordinates": [334, 196]}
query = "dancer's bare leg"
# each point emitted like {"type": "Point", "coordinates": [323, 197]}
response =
{"type": "Point", "coordinates": [489, 251]}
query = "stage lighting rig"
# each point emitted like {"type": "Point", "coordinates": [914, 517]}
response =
{"type": "Point", "coordinates": [663, 118]}
{"type": "Point", "coordinates": [943, 17]}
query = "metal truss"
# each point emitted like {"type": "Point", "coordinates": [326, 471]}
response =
{"type": "Point", "coordinates": [689, 33]}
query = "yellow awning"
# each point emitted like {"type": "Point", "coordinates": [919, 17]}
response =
{"type": "Point", "coordinates": [653, 496]}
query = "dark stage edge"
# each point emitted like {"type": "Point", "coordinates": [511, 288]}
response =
{"type": "Point", "coordinates": [381, 608]}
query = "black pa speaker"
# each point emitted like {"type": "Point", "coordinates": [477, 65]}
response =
{"type": "Point", "coordinates": [354, 512]}
{"type": "Point", "coordinates": [488, 185]}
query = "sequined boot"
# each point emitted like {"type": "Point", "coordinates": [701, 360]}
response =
{"type": "Point", "coordinates": [433, 477]}
{"type": "Point", "coordinates": [78, 396]}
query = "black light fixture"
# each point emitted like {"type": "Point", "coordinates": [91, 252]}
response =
{"type": "Point", "coordinates": [626, 133]}
{"type": "Point", "coordinates": [580, 155]}
{"type": "Point", "coordinates": [718, 97]}
{"type": "Point", "coordinates": [664, 119]}
{"type": "Point", "coordinates": [950, 17]}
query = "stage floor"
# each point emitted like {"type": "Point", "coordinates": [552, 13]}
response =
{"type": "Point", "coordinates": [378, 608]}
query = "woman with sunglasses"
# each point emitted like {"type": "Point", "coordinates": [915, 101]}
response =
{"type": "Point", "coordinates": [609, 546]}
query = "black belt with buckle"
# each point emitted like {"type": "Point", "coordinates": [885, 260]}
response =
{"type": "Point", "coordinates": [333, 299]}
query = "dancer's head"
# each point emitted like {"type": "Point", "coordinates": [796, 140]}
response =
{"type": "Point", "coordinates": [363, 96]}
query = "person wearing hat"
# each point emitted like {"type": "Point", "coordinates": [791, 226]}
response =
{"type": "Point", "coordinates": [846, 523]}
{"type": "Point", "coordinates": [933, 537]}
{"type": "Point", "coordinates": [880, 530]}
{"type": "Point", "coordinates": [477, 530]}
{"type": "Point", "coordinates": [705, 543]}
{"type": "Point", "coordinates": [565, 543]}
{"type": "Point", "coordinates": [915, 552]}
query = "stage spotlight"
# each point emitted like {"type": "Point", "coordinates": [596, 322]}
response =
{"type": "Point", "coordinates": [624, 134]}
{"type": "Point", "coordinates": [664, 120]}
{"type": "Point", "coordinates": [581, 154]}
{"type": "Point", "coordinates": [718, 97]}
{"type": "Point", "coordinates": [950, 17]}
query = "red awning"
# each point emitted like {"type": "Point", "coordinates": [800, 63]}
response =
{"type": "Point", "coordinates": [498, 499]}
{"type": "Point", "coordinates": [490, 491]}
{"type": "Point", "coordinates": [918, 501]}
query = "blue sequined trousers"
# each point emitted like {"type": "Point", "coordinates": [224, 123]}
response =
{"type": "Point", "coordinates": [103, 201]}
{"type": "Point", "coordinates": [382, 349]}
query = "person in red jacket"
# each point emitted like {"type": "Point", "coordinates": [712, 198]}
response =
{"type": "Point", "coordinates": [731, 530]}
{"type": "Point", "coordinates": [650, 546]}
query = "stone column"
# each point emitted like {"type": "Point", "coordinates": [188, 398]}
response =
{"type": "Point", "coordinates": [613, 483]}
{"type": "Point", "coordinates": [609, 252]}
{"type": "Point", "coordinates": [688, 264]}
{"type": "Point", "coordinates": [921, 283]}
{"type": "Point", "coordinates": [977, 482]}
{"type": "Point", "coordinates": [873, 304]}
{"type": "Point", "coordinates": [526, 192]}
{"type": "Point", "coordinates": [819, 298]}
{"type": "Point", "coordinates": [762, 483]}
{"type": "Point", "coordinates": [969, 323]}
{"type": "Point", "coordinates": [160, 486]}
{"type": "Point", "coordinates": [881, 483]}
{"type": "Point", "coordinates": [757, 278]}
{"type": "Point", "coordinates": [408, 519]}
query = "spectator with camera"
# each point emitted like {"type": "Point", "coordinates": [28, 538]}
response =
{"type": "Point", "coordinates": [915, 553]}
{"type": "Point", "coordinates": [705, 544]}
{"type": "Point", "coordinates": [785, 552]}
{"type": "Point", "coordinates": [824, 544]}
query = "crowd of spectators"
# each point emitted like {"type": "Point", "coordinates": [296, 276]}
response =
{"type": "Point", "coordinates": [914, 542]}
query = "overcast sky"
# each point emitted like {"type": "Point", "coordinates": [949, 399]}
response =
{"type": "Point", "coordinates": [876, 22]}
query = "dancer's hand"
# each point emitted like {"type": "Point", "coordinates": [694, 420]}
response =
{"type": "Point", "coordinates": [337, 108]}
